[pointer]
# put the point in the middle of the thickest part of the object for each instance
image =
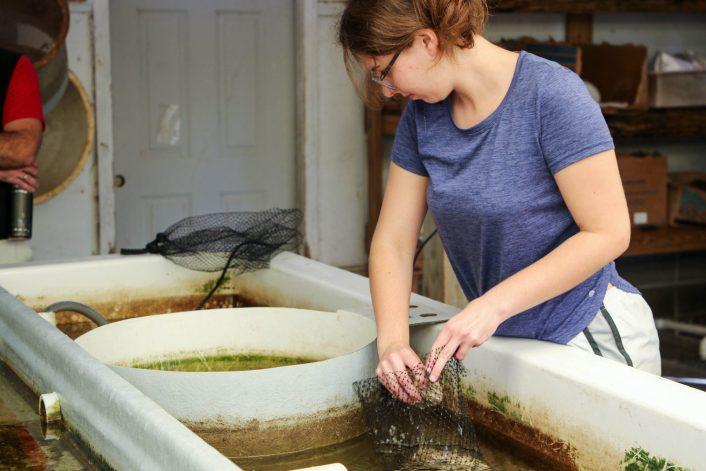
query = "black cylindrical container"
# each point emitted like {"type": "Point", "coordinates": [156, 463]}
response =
{"type": "Point", "coordinates": [21, 213]}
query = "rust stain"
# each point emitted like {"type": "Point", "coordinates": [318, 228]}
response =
{"type": "Point", "coordinates": [335, 425]}
{"type": "Point", "coordinates": [139, 307]}
{"type": "Point", "coordinates": [258, 438]}
{"type": "Point", "coordinates": [528, 443]}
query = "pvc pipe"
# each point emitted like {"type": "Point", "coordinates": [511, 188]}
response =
{"type": "Point", "coordinates": [50, 416]}
{"type": "Point", "coordinates": [119, 423]}
{"type": "Point", "coordinates": [49, 407]}
{"type": "Point", "coordinates": [50, 317]}
{"type": "Point", "coordinates": [680, 326]}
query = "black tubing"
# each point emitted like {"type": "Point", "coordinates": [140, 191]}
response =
{"type": "Point", "coordinates": [133, 251]}
{"type": "Point", "coordinates": [73, 306]}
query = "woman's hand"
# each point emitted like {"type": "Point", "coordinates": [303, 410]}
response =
{"type": "Point", "coordinates": [470, 328]}
{"type": "Point", "coordinates": [25, 177]}
{"type": "Point", "coordinates": [392, 372]}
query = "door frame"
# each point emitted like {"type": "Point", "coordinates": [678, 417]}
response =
{"type": "Point", "coordinates": [306, 138]}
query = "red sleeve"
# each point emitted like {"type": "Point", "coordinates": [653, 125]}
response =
{"type": "Point", "coordinates": [23, 98]}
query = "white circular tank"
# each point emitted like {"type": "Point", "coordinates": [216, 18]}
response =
{"type": "Point", "coordinates": [255, 412]}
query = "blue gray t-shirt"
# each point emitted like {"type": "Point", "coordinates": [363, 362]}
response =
{"type": "Point", "coordinates": [492, 191]}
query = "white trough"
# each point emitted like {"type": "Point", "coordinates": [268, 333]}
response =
{"type": "Point", "coordinates": [575, 410]}
{"type": "Point", "coordinates": [256, 412]}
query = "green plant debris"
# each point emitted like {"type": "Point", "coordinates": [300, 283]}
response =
{"type": "Point", "coordinates": [638, 459]}
{"type": "Point", "coordinates": [235, 362]}
{"type": "Point", "coordinates": [469, 391]}
{"type": "Point", "coordinates": [501, 403]}
{"type": "Point", "coordinates": [208, 286]}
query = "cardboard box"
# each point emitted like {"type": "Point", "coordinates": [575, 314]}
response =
{"type": "Point", "coordinates": [645, 182]}
{"type": "Point", "coordinates": [619, 73]}
{"type": "Point", "coordinates": [568, 55]}
{"type": "Point", "coordinates": [677, 89]}
{"type": "Point", "coordinates": [565, 54]}
{"type": "Point", "coordinates": [687, 198]}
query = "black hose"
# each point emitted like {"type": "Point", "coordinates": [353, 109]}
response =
{"type": "Point", "coordinates": [73, 306]}
{"type": "Point", "coordinates": [421, 247]}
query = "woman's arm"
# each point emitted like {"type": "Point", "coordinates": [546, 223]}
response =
{"type": "Point", "coordinates": [593, 193]}
{"type": "Point", "coordinates": [390, 267]}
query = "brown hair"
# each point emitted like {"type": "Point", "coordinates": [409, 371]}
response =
{"type": "Point", "coordinates": [380, 27]}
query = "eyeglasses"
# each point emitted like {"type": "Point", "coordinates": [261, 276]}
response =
{"type": "Point", "coordinates": [380, 78]}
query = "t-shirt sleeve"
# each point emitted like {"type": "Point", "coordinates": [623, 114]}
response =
{"type": "Point", "coordinates": [404, 149]}
{"type": "Point", "coordinates": [23, 98]}
{"type": "Point", "coordinates": [572, 126]}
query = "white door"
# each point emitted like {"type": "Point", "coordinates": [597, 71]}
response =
{"type": "Point", "coordinates": [203, 99]}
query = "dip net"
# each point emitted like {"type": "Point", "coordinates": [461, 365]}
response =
{"type": "Point", "coordinates": [433, 433]}
{"type": "Point", "coordinates": [237, 241]}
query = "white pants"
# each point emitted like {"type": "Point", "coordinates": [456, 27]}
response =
{"type": "Point", "coordinates": [623, 330]}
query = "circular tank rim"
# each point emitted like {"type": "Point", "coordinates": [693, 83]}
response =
{"type": "Point", "coordinates": [255, 412]}
{"type": "Point", "coordinates": [361, 344]}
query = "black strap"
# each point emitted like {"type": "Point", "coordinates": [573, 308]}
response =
{"type": "Point", "coordinates": [592, 342]}
{"type": "Point", "coordinates": [616, 336]}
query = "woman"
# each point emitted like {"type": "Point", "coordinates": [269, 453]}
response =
{"type": "Point", "coordinates": [517, 166]}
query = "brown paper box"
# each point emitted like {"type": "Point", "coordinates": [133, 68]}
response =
{"type": "Point", "coordinates": [619, 73]}
{"type": "Point", "coordinates": [645, 182]}
{"type": "Point", "coordinates": [687, 198]}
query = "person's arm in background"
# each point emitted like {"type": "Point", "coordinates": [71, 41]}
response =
{"type": "Point", "coordinates": [22, 127]}
{"type": "Point", "coordinates": [391, 256]}
{"type": "Point", "coordinates": [19, 143]}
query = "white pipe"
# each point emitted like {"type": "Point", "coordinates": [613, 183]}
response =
{"type": "Point", "coordinates": [680, 326]}
{"type": "Point", "coordinates": [50, 317]}
{"type": "Point", "coordinates": [49, 407]}
{"type": "Point", "coordinates": [685, 328]}
{"type": "Point", "coordinates": [50, 416]}
{"type": "Point", "coordinates": [121, 425]}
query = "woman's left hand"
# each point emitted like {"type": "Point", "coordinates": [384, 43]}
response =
{"type": "Point", "coordinates": [470, 328]}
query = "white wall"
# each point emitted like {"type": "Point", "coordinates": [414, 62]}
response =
{"type": "Point", "coordinates": [341, 153]}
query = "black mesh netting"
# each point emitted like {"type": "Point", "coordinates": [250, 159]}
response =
{"type": "Point", "coordinates": [238, 241]}
{"type": "Point", "coordinates": [434, 433]}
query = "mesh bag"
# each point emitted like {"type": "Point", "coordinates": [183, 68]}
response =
{"type": "Point", "coordinates": [239, 241]}
{"type": "Point", "coordinates": [432, 434]}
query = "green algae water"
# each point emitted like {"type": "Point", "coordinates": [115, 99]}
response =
{"type": "Point", "coordinates": [358, 455]}
{"type": "Point", "coordinates": [234, 362]}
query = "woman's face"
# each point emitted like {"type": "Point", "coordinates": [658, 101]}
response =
{"type": "Point", "coordinates": [416, 74]}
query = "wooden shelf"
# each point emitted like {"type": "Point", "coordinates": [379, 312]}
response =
{"type": "Point", "coordinates": [676, 122]}
{"type": "Point", "coordinates": [666, 240]}
{"type": "Point", "coordinates": [598, 6]}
